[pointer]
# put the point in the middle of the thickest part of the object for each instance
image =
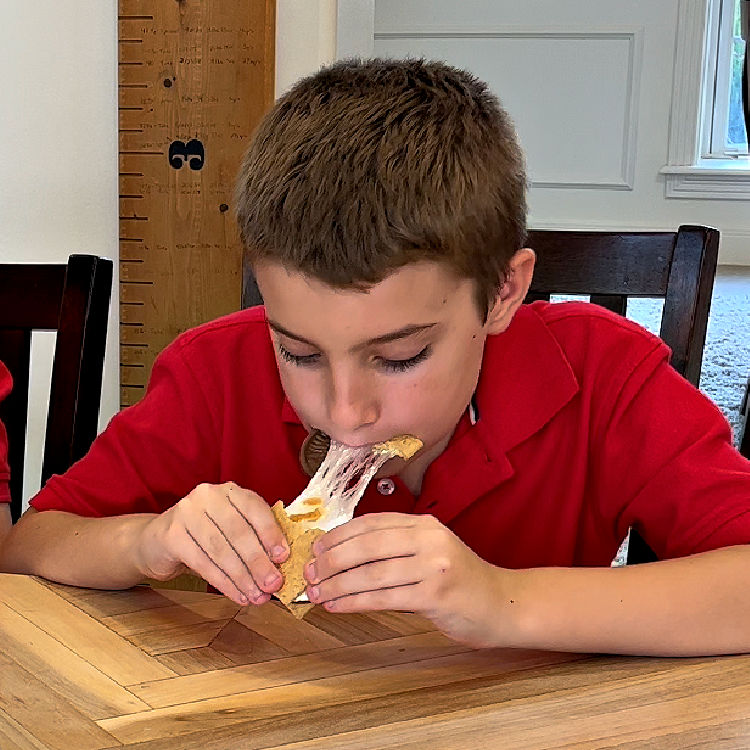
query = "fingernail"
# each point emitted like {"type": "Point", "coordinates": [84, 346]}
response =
{"type": "Point", "coordinates": [278, 553]}
{"type": "Point", "coordinates": [312, 593]}
{"type": "Point", "coordinates": [243, 600]}
{"type": "Point", "coordinates": [272, 579]}
{"type": "Point", "coordinates": [312, 573]}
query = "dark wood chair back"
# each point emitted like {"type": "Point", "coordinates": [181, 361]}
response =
{"type": "Point", "coordinates": [611, 267]}
{"type": "Point", "coordinates": [72, 299]}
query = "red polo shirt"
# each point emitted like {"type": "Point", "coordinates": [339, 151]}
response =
{"type": "Point", "coordinates": [5, 385]}
{"type": "Point", "coordinates": [583, 429]}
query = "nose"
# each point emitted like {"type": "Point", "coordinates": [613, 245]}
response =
{"type": "Point", "coordinates": [352, 405]}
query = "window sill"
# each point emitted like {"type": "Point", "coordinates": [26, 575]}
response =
{"type": "Point", "coordinates": [722, 179]}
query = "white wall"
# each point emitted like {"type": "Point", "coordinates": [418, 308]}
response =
{"type": "Point", "coordinates": [589, 85]}
{"type": "Point", "coordinates": [58, 157]}
{"type": "Point", "coordinates": [305, 38]}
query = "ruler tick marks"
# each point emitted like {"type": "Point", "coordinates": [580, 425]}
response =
{"type": "Point", "coordinates": [183, 78]}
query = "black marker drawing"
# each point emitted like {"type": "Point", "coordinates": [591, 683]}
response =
{"type": "Point", "coordinates": [191, 152]}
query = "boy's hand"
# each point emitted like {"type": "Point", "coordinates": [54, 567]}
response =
{"type": "Point", "coordinates": [225, 534]}
{"type": "Point", "coordinates": [410, 563]}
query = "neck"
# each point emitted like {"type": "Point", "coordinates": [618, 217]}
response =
{"type": "Point", "coordinates": [413, 473]}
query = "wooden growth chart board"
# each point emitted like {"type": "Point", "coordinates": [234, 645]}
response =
{"type": "Point", "coordinates": [195, 77]}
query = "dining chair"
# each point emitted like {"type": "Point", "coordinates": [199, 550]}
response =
{"type": "Point", "coordinates": [611, 267]}
{"type": "Point", "coordinates": [72, 299]}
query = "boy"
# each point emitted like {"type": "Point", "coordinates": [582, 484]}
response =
{"type": "Point", "coordinates": [382, 206]}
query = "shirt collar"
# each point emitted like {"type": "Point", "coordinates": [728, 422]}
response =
{"type": "Point", "coordinates": [525, 380]}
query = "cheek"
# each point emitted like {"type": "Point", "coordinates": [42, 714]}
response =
{"type": "Point", "coordinates": [439, 396]}
{"type": "Point", "coordinates": [302, 388]}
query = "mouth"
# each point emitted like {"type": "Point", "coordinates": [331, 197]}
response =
{"type": "Point", "coordinates": [317, 444]}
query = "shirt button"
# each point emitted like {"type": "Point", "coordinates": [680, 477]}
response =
{"type": "Point", "coordinates": [386, 486]}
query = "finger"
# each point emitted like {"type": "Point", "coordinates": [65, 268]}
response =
{"type": "Point", "coordinates": [241, 537]}
{"type": "Point", "coordinates": [242, 540]}
{"type": "Point", "coordinates": [200, 563]}
{"type": "Point", "coordinates": [399, 598]}
{"type": "Point", "coordinates": [383, 574]}
{"type": "Point", "coordinates": [363, 525]}
{"type": "Point", "coordinates": [381, 544]}
{"type": "Point", "coordinates": [257, 514]}
{"type": "Point", "coordinates": [217, 557]}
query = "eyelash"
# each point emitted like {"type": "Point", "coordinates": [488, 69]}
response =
{"type": "Point", "coordinates": [389, 365]}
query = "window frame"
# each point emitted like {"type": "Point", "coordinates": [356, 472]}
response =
{"type": "Point", "coordinates": [693, 169]}
{"type": "Point", "coordinates": [720, 46]}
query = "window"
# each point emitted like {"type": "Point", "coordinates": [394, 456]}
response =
{"type": "Point", "coordinates": [724, 122]}
{"type": "Point", "coordinates": [707, 141]}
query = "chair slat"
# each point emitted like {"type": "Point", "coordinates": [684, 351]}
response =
{"type": "Point", "coordinates": [601, 262]}
{"type": "Point", "coordinates": [73, 299]}
{"type": "Point", "coordinates": [30, 295]}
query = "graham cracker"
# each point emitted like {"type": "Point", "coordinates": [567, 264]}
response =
{"type": "Point", "coordinates": [300, 538]}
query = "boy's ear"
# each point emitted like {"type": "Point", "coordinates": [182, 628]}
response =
{"type": "Point", "coordinates": [513, 291]}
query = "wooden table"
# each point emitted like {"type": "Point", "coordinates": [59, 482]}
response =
{"type": "Point", "coordinates": [166, 669]}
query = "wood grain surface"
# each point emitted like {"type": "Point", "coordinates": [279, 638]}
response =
{"type": "Point", "coordinates": [170, 669]}
{"type": "Point", "coordinates": [195, 78]}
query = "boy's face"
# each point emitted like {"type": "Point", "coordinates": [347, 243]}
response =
{"type": "Point", "coordinates": [402, 357]}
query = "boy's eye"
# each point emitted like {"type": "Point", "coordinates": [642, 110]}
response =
{"type": "Point", "coordinates": [389, 365]}
{"type": "Point", "coordinates": [401, 365]}
{"type": "Point", "coordinates": [298, 359]}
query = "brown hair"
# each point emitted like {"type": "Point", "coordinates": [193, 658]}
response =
{"type": "Point", "coordinates": [369, 165]}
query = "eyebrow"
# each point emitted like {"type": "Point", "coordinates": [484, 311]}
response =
{"type": "Point", "coordinates": [401, 333]}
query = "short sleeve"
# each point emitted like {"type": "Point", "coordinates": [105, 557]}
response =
{"type": "Point", "coordinates": [149, 456]}
{"type": "Point", "coordinates": [6, 383]}
{"type": "Point", "coordinates": [665, 464]}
